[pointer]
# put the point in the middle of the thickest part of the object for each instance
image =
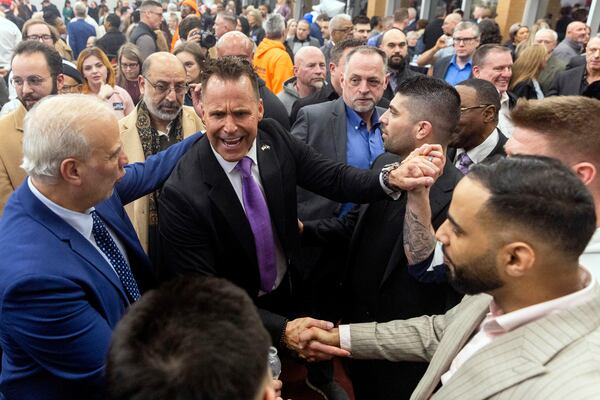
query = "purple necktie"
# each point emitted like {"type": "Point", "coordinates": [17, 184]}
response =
{"type": "Point", "coordinates": [464, 162]}
{"type": "Point", "coordinates": [257, 213]}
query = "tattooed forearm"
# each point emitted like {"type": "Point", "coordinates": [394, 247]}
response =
{"type": "Point", "coordinates": [419, 237]}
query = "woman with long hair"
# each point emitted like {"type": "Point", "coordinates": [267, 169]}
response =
{"type": "Point", "coordinates": [99, 80]}
{"type": "Point", "coordinates": [191, 56]}
{"type": "Point", "coordinates": [526, 70]}
{"type": "Point", "coordinates": [129, 68]}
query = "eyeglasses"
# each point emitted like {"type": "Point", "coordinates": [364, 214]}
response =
{"type": "Point", "coordinates": [38, 37]}
{"type": "Point", "coordinates": [72, 88]}
{"type": "Point", "coordinates": [129, 66]}
{"type": "Point", "coordinates": [464, 40]}
{"type": "Point", "coordinates": [465, 109]}
{"type": "Point", "coordinates": [164, 88]}
{"type": "Point", "coordinates": [33, 80]}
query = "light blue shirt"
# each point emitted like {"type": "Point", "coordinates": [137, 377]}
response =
{"type": "Point", "coordinates": [455, 74]}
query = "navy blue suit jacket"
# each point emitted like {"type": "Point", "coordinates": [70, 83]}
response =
{"type": "Point", "coordinates": [59, 298]}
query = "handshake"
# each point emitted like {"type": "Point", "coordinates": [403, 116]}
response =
{"type": "Point", "coordinates": [313, 340]}
{"type": "Point", "coordinates": [420, 169]}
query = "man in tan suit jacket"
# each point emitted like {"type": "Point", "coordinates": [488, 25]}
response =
{"type": "Point", "coordinates": [159, 120]}
{"type": "Point", "coordinates": [37, 73]}
{"type": "Point", "coordinates": [530, 327]}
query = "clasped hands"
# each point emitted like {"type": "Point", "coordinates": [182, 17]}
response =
{"type": "Point", "coordinates": [420, 169]}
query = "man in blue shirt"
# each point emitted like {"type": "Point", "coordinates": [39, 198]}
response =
{"type": "Point", "coordinates": [458, 67]}
{"type": "Point", "coordinates": [79, 31]}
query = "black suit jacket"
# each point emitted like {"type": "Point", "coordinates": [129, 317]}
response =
{"type": "Point", "coordinates": [377, 286]}
{"type": "Point", "coordinates": [498, 150]}
{"type": "Point", "coordinates": [568, 83]}
{"type": "Point", "coordinates": [404, 75]}
{"type": "Point", "coordinates": [203, 225]}
{"type": "Point", "coordinates": [440, 68]}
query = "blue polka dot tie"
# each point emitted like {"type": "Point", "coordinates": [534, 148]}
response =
{"type": "Point", "coordinates": [108, 246]}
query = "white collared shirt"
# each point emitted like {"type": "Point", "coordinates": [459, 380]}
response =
{"type": "Point", "coordinates": [81, 222]}
{"type": "Point", "coordinates": [504, 122]}
{"type": "Point", "coordinates": [479, 153]}
{"type": "Point", "coordinates": [235, 179]}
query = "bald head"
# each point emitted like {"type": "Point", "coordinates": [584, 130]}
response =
{"type": "Point", "coordinates": [576, 31]}
{"type": "Point", "coordinates": [450, 22]}
{"type": "Point", "coordinates": [162, 61]}
{"type": "Point", "coordinates": [235, 44]}
{"type": "Point", "coordinates": [393, 43]}
{"type": "Point", "coordinates": [308, 53]}
{"type": "Point", "coordinates": [309, 69]}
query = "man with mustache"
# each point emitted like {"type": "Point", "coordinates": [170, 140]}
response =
{"type": "Point", "coordinates": [36, 73]}
{"type": "Point", "coordinates": [309, 76]}
{"type": "Point", "coordinates": [159, 120]}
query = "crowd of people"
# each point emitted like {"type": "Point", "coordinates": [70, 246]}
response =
{"type": "Point", "coordinates": [184, 187]}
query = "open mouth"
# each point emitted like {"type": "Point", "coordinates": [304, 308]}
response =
{"type": "Point", "coordinates": [231, 143]}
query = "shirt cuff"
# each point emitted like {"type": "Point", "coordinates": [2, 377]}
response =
{"type": "Point", "coordinates": [395, 195]}
{"type": "Point", "coordinates": [438, 256]}
{"type": "Point", "coordinates": [344, 331]}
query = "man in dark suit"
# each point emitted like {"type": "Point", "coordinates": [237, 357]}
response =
{"type": "Point", "coordinates": [477, 137]}
{"type": "Point", "coordinates": [70, 261]}
{"type": "Point", "coordinates": [333, 90]}
{"type": "Point", "coordinates": [573, 82]}
{"type": "Point", "coordinates": [395, 46]}
{"type": "Point", "coordinates": [377, 285]}
{"type": "Point", "coordinates": [229, 208]}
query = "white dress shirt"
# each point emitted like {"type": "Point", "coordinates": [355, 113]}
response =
{"type": "Point", "coordinates": [235, 178]}
{"type": "Point", "coordinates": [479, 153]}
{"type": "Point", "coordinates": [81, 222]}
{"type": "Point", "coordinates": [504, 122]}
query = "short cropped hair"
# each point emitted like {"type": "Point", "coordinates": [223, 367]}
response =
{"type": "Point", "coordinates": [366, 51]}
{"type": "Point", "coordinates": [482, 52]}
{"type": "Point", "coordinates": [114, 20]}
{"type": "Point", "coordinates": [541, 197]}
{"type": "Point", "coordinates": [194, 338]}
{"type": "Point", "coordinates": [361, 19]}
{"type": "Point", "coordinates": [432, 100]}
{"type": "Point", "coordinates": [274, 26]}
{"type": "Point", "coordinates": [547, 30]}
{"type": "Point", "coordinates": [464, 25]}
{"type": "Point", "coordinates": [569, 123]}
{"type": "Point", "coordinates": [337, 20]}
{"type": "Point", "coordinates": [54, 130]}
{"type": "Point", "coordinates": [339, 48]}
{"type": "Point", "coordinates": [53, 58]}
{"type": "Point", "coordinates": [148, 4]}
{"type": "Point", "coordinates": [80, 10]}
{"type": "Point", "coordinates": [230, 69]}
{"type": "Point", "coordinates": [485, 91]}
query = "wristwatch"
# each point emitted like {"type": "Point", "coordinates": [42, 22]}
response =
{"type": "Point", "coordinates": [385, 174]}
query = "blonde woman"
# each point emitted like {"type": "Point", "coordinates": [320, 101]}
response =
{"type": "Point", "coordinates": [526, 70]}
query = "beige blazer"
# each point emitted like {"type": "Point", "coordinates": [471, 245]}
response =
{"type": "Point", "coordinates": [11, 153]}
{"type": "Point", "coordinates": [138, 210]}
{"type": "Point", "coordinates": [555, 357]}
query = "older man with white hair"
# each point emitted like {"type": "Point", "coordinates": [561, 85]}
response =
{"type": "Point", "coordinates": [271, 61]}
{"type": "Point", "coordinates": [70, 261]}
{"type": "Point", "coordinates": [340, 28]}
{"type": "Point", "coordinates": [549, 38]}
{"type": "Point", "coordinates": [309, 76]}
{"type": "Point", "coordinates": [79, 30]}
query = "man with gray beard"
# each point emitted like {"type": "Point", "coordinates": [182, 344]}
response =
{"type": "Point", "coordinates": [159, 120]}
{"type": "Point", "coordinates": [309, 76]}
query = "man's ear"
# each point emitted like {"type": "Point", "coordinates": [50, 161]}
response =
{"type": "Point", "coordinates": [424, 129]}
{"type": "Point", "coordinates": [586, 171]}
{"type": "Point", "coordinates": [476, 71]}
{"type": "Point", "coordinates": [517, 259]}
{"type": "Point", "coordinates": [70, 171]}
{"type": "Point", "coordinates": [141, 84]}
{"type": "Point", "coordinates": [489, 114]}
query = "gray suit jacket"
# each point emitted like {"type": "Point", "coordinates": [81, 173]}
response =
{"type": "Point", "coordinates": [323, 127]}
{"type": "Point", "coordinates": [555, 357]}
{"type": "Point", "coordinates": [568, 83]}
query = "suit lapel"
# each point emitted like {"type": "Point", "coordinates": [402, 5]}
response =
{"type": "Point", "coordinates": [68, 234]}
{"type": "Point", "coordinates": [339, 130]}
{"type": "Point", "coordinates": [223, 197]}
{"type": "Point", "coordinates": [522, 353]}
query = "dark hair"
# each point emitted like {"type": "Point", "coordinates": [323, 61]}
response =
{"type": "Point", "coordinates": [490, 32]}
{"type": "Point", "coordinates": [540, 196]}
{"type": "Point", "coordinates": [486, 92]}
{"type": "Point", "coordinates": [189, 23]}
{"type": "Point", "coordinates": [244, 25]}
{"type": "Point", "coordinates": [322, 17]}
{"type": "Point", "coordinates": [375, 21]}
{"type": "Point", "coordinates": [432, 100]}
{"type": "Point", "coordinates": [113, 20]}
{"type": "Point", "coordinates": [339, 48]}
{"type": "Point", "coordinates": [361, 19]}
{"type": "Point", "coordinates": [149, 3]}
{"type": "Point", "coordinates": [268, 7]}
{"type": "Point", "coordinates": [230, 69]}
{"type": "Point", "coordinates": [53, 58]}
{"type": "Point", "coordinates": [482, 53]}
{"type": "Point", "coordinates": [194, 338]}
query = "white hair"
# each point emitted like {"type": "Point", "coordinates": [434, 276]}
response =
{"type": "Point", "coordinates": [80, 9]}
{"type": "Point", "coordinates": [336, 21]}
{"type": "Point", "coordinates": [274, 26]}
{"type": "Point", "coordinates": [54, 130]}
{"type": "Point", "coordinates": [547, 30]}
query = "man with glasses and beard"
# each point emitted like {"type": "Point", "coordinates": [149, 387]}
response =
{"type": "Point", "coordinates": [395, 46]}
{"type": "Point", "coordinates": [159, 120]}
{"type": "Point", "coordinates": [37, 72]}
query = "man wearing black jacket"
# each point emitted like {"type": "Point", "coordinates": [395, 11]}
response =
{"type": "Point", "coordinates": [114, 38]}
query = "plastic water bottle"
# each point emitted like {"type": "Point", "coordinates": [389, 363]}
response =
{"type": "Point", "coordinates": [274, 362]}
